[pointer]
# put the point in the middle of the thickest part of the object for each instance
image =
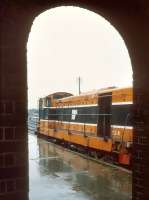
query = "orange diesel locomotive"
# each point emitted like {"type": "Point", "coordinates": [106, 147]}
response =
{"type": "Point", "coordinates": [98, 123]}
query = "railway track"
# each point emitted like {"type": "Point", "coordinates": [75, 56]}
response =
{"type": "Point", "coordinates": [86, 156]}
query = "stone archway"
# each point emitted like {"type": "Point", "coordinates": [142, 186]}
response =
{"type": "Point", "coordinates": [130, 19]}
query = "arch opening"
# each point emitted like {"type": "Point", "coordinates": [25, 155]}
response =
{"type": "Point", "coordinates": [71, 35]}
{"type": "Point", "coordinates": [61, 49]}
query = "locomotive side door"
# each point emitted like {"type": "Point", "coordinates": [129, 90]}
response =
{"type": "Point", "coordinates": [104, 115]}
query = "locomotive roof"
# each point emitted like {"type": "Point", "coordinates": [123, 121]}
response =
{"type": "Point", "coordinates": [89, 93]}
{"type": "Point", "coordinates": [98, 91]}
{"type": "Point", "coordinates": [59, 93]}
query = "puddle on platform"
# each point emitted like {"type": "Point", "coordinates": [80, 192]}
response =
{"type": "Point", "coordinates": [57, 174]}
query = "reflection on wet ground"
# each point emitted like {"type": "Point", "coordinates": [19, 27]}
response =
{"type": "Point", "coordinates": [58, 174]}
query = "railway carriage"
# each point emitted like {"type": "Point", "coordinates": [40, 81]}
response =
{"type": "Point", "coordinates": [98, 123]}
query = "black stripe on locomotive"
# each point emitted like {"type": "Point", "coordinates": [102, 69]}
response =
{"type": "Point", "coordinates": [119, 115]}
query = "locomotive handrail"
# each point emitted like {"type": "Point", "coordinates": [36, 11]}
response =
{"type": "Point", "coordinates": [81, 114]}
{"type": "Point", "coordinates": [126, 121]}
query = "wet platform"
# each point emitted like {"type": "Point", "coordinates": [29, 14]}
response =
{"type": "Point", "coordinates": [58, 174]}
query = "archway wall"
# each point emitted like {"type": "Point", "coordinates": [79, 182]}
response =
{"type": "Point", "coordinates": [16, 18]}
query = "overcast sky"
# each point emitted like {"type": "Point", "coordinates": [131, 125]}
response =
{"type": "Point", "coordinates": [67, 42]}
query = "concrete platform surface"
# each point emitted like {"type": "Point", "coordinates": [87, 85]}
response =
{"type": "Point", "coordinates": [57, 174]}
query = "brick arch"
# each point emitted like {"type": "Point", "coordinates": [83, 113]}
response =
{"type": "Point", "coordinates": [130, 18]}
